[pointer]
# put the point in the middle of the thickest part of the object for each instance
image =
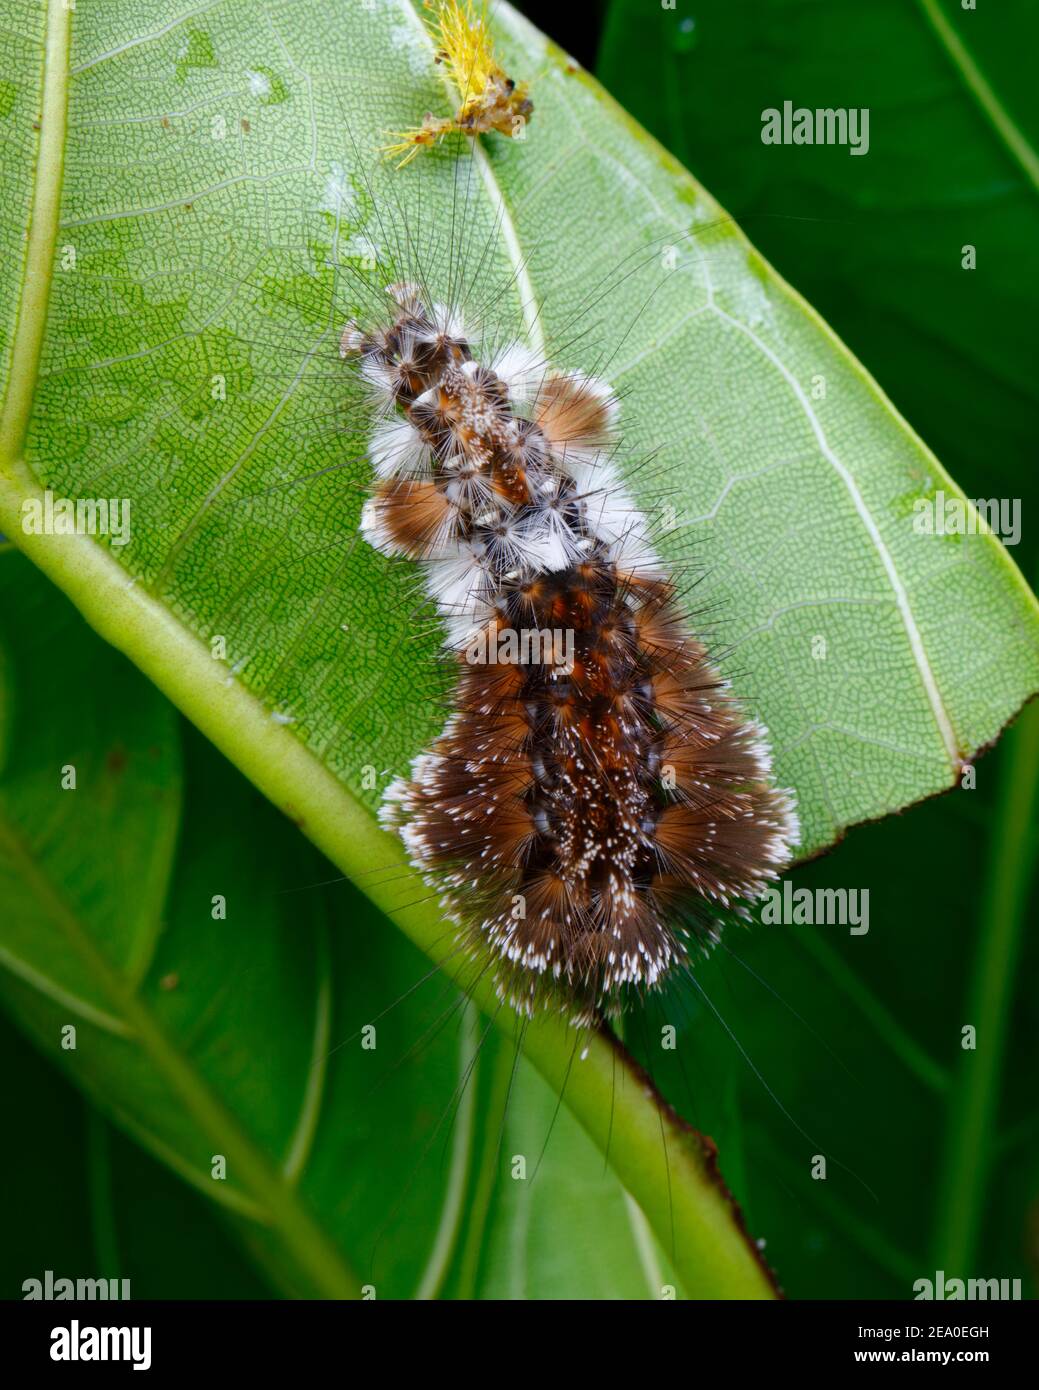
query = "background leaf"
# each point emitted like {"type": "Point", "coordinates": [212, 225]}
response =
{"type": "Point", "coordinates": [90, 1204]}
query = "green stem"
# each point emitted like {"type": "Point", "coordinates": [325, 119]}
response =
{"type": "Point", "coordinates": [640, 1231]}
{"type": "Point", "coordinates": [963, 1188]}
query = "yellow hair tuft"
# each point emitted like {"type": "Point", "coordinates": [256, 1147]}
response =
{"type": "Point", "coordinates": [490, 98]}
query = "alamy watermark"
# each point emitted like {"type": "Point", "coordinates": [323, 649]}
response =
{"type": "Point", "coordinates": [819, 907]}
{"type": "Point", "coordinates": [822, 125]}
{"type": "Point", "coordinates": [940, 1288]}
{"type": "Point", "coordinates": [80, 516]}
{"type": "Point", "coordinates": [944, 515]}
{"type": "Point", "coordinates": [81, 1342]}
{"type": "Point", "coordinates": [527, 646]}
{"type": "Point", "coordinates": [61, 1288]}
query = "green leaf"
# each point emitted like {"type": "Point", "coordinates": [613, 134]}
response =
{"type": "Point", "coordinates": [187, 224]}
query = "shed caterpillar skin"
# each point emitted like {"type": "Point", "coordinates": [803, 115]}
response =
{"type": "Point", "coordinates": [585, 820]}
{"type": "Point", "coordinates": [491, 99]}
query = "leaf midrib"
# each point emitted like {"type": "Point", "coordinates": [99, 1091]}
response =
{"type": "Point", "coordinates": [37, 270]}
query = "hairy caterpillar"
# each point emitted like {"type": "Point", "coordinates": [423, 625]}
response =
{"type": "Point", "coordinates": [583, 819]}
{"type": "Point", "coordinates": [622, 798]}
